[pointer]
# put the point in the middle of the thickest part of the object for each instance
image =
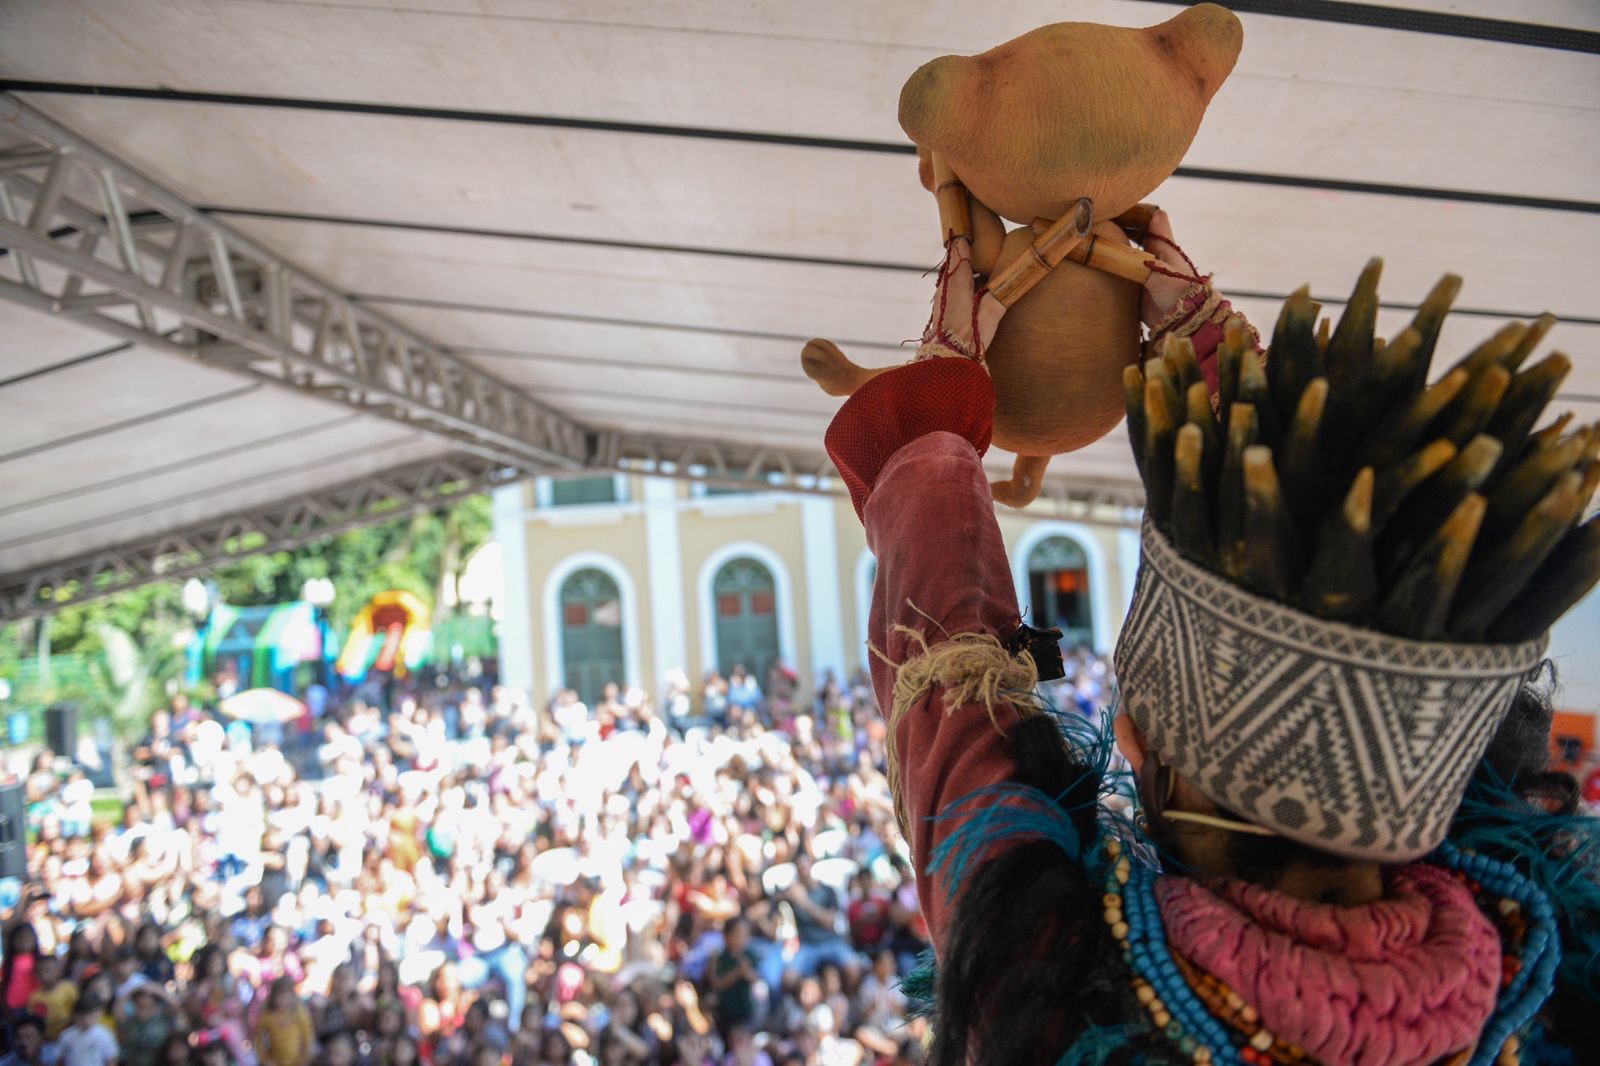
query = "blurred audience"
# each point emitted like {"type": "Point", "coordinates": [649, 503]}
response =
{"type": "Point", "coordinates": [455, 879]}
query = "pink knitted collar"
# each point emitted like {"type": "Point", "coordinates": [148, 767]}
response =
{"type": "Point", "coordinates": [1408, 979]}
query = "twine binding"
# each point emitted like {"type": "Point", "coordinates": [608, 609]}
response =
{"type": "Point", "coordinates": [970, 668]}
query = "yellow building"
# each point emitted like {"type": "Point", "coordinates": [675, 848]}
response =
{"type": "Point", "coordinates": [628, 577]}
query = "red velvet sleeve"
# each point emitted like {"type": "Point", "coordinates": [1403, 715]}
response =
{"type": "Point", "coordinates": [909, 445]}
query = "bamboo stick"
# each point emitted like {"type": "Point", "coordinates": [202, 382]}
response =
{"type": "Point", "coordinates": [1160, 427]}
{"type": "Point", "coordinates": [1242, 433]}
{"type": "Point", "coordinates": [1135, 221]}
{"type": "Point", "coordinates": [1044, 255]}
{"type": "Point", "coordinates": [1431, 504]}
{"type": "Point", "coordinates": [1133, 396]}
{"type": "Point", "coordinates": [955, 213]}
{"type": "Point", "coordinates": [1397, 480]}
{"type": "Point", "coordinates": [1108, 257]}
{"type": "Point", "coordinates": [1197, 402]}
{"type": "Point", "coordinates": [1572, 570]}
{"type": "Point", "coordinates": [1272, 547]}
{"type": "Point", "coordinates": [1351, 344]}
{"type": "Point", "coordinates": [1411, 428]}
{"type": "Point", "coordinates": [1294, 359]}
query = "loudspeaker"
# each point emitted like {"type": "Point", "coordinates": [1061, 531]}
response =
{"type": "Point", "coordinates": [13, 834]}
{"type": "Point", "coordinates": [61, 729]}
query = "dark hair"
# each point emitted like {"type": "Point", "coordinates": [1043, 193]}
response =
{"type": "Point", "coordinates": [1043, 963]}
{"type": "Point", "coordinates": [1519, 753]}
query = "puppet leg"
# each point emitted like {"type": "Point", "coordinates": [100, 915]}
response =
{"type": "Point", "coordinates": [830, 368]}
{"type": "Point", "coordinates": [1022, 488]}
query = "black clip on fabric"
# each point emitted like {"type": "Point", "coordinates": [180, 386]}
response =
{"type": "Point", "coordinates": [1045, 647]}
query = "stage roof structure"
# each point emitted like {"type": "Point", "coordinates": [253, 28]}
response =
{"type": "Point", "coordinates": [273, 269]}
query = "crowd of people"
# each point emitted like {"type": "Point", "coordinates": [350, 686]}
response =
{"type": "Point", "coordinates": [448, 877]}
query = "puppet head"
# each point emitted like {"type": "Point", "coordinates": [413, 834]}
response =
{"type": "Point", "coordinates": [1073, 109]}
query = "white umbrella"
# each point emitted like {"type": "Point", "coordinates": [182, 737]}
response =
{"type": "Point", "coordinates": [261, 706]}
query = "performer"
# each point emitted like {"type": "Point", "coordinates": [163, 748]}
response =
{"type": "Point", "coordinates": [1231, 921]}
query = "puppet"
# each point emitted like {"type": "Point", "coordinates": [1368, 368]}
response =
{"type": "Point", "coordinates": [1033, 128]}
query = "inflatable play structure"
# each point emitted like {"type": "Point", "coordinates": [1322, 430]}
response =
{"type": "Point", "coordinates": [390, 635]}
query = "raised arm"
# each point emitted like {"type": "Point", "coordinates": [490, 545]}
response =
{"type": "Point", "coordinates": [909, 445]}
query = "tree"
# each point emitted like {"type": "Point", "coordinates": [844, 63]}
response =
{"type": "Point", "coordinates": [131, 640]}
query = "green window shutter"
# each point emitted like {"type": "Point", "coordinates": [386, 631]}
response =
{"type": "Point", "coordinates": [567, 491]}
{"type": "Point", "coordinates": [745, 606]}
{"type": "Point", "coordinates": [591, 634]}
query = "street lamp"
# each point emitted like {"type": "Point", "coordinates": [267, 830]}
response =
{"type": "Point", "coordinates": [197, 602]}
{"type": "Point", "coordinates": [320, 594]}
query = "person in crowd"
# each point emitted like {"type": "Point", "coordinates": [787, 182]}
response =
{"type": "Point", "coordinates": [733, 978]}
{"type": "Point", "coordinates": [54, 999]}
{"type": "Point", "coordinates": [145, 1020]}
{"type": "Point", "coordinates": [19, 970]}
{"type": "Point", "coordinates": [29, 1044]}
{"type": "Point", "coordinates": [283, 1033]}
{"type": "Point", "coordinates": [818, 921]}
{"type": "Point", "coordinates": [87, 1042]}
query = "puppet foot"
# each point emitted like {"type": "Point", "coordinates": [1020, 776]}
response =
{"type": "Point", "coordinates": [1022, 488]}
{"type": "Point", "coordinates": [830, 368]}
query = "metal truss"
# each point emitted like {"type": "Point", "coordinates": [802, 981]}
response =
{"type": "Point", "coordinates": [280, 526]}
{"type": "Point", "coordinates": [95, 241]}
{"type": "Point", "coordinates": [786, 470]}
{"type": "Point", "coordinates": [738, 466]}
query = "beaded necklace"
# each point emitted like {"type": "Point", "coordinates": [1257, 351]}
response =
{"type": "Point", "coordinates": [1212, 1024]}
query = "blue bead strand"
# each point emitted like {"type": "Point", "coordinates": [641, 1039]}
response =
{"type": "Point", "coordinates": [1147, 939]}
{"type": "Point", "coordinates": [1535, 981]}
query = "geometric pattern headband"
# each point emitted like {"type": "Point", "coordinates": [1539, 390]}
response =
{"type": "Point", "coordinates": [1348, 740]}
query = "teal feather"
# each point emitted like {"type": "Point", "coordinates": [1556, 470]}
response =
{"type": "Point", "coordinates": [921, 986]}
{"type": "Point", "coordinates": [1560, 853]}
{"type": "Point", "coordinates": [1096, 1045]}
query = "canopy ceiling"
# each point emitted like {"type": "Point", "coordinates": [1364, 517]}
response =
{"type": "Point", "coordinates": [636, 212]}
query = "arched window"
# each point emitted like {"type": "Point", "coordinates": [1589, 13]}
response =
{"type": "Point", "coordinates": [746, 601]}
{"type": "Point", "coordinates": [1058, 590]}
{"type": "Point", "coordinates": [591, 633]}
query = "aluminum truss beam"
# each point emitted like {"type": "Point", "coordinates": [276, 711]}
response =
{"type": "Point", "coordinates": [787, 470]}
{"type": "Point", "coordinates": [299, 520]}
{"type": "Point", "coordinates": [280, 526]}
{"type": "Point", "coordinates": [93, 240]}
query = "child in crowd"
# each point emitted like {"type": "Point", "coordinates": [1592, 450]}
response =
{"type": "Point", "coordinates": [55, 998]}
{"type": "Point", "coordinates": [283, 1035]}
{"type": "Point", "coordinates": [86, 1042]}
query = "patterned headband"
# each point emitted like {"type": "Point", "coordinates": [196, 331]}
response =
{"type": "Point", "coordinates": [1347, 740]}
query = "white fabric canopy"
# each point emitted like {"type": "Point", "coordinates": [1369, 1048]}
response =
{"type": "Point", "coordinates": [637, 212]}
